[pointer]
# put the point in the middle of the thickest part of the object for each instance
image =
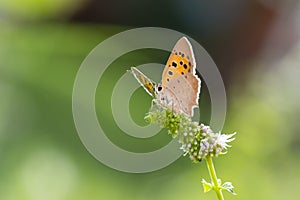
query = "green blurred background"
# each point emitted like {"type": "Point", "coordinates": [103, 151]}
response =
{"type": "Point", "coordinates": [255, 44]}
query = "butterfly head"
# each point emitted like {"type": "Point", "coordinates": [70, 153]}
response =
{"type": "Point", "coordinates": [158, 88]}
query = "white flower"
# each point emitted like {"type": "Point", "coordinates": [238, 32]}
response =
{"type": "Point", "coordinates": [223, 139]}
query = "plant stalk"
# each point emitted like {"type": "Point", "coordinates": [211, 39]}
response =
{"type": "Point", "coordinates": [213, 177]}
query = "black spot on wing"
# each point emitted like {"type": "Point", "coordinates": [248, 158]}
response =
{"type": "Point", "coordinates": [174, 64]}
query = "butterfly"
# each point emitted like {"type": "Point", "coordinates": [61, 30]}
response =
{"type": "Point", "coordinates": [180, 86]}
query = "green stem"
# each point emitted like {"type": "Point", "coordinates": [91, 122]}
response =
{"type": "Point", "coordinates": [213, 177]}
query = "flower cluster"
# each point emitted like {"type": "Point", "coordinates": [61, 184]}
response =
{"type": "Point", "coordinates": [197, 141]}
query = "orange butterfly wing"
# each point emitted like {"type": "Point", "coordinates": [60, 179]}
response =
{"type": "Point", "coordinates": [179, 77]}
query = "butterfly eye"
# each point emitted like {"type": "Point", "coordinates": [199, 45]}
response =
{"type": "Point", "coordinates": [159, 88]}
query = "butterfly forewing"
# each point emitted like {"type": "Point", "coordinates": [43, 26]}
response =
{"type": "Point", "coordinates": [180, 62]}
{"type": "Point", "coordinates": [179, 77]}
{"type": "Point", "coordinates": [146, 82]}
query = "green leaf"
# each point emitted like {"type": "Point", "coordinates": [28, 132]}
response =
{"type": "Point", "coordinates": [229, 187]}
{"type": "Point", "coordinates": [206, 186]}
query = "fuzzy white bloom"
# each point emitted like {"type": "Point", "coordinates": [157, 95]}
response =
{"type": "Point", "coordinates": [223, 139]}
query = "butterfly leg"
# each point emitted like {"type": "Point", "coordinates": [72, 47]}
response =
{"type": "Point", "coordinates": [172, 109]}
{"type": "Point", "coordinates": [153, 102]}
